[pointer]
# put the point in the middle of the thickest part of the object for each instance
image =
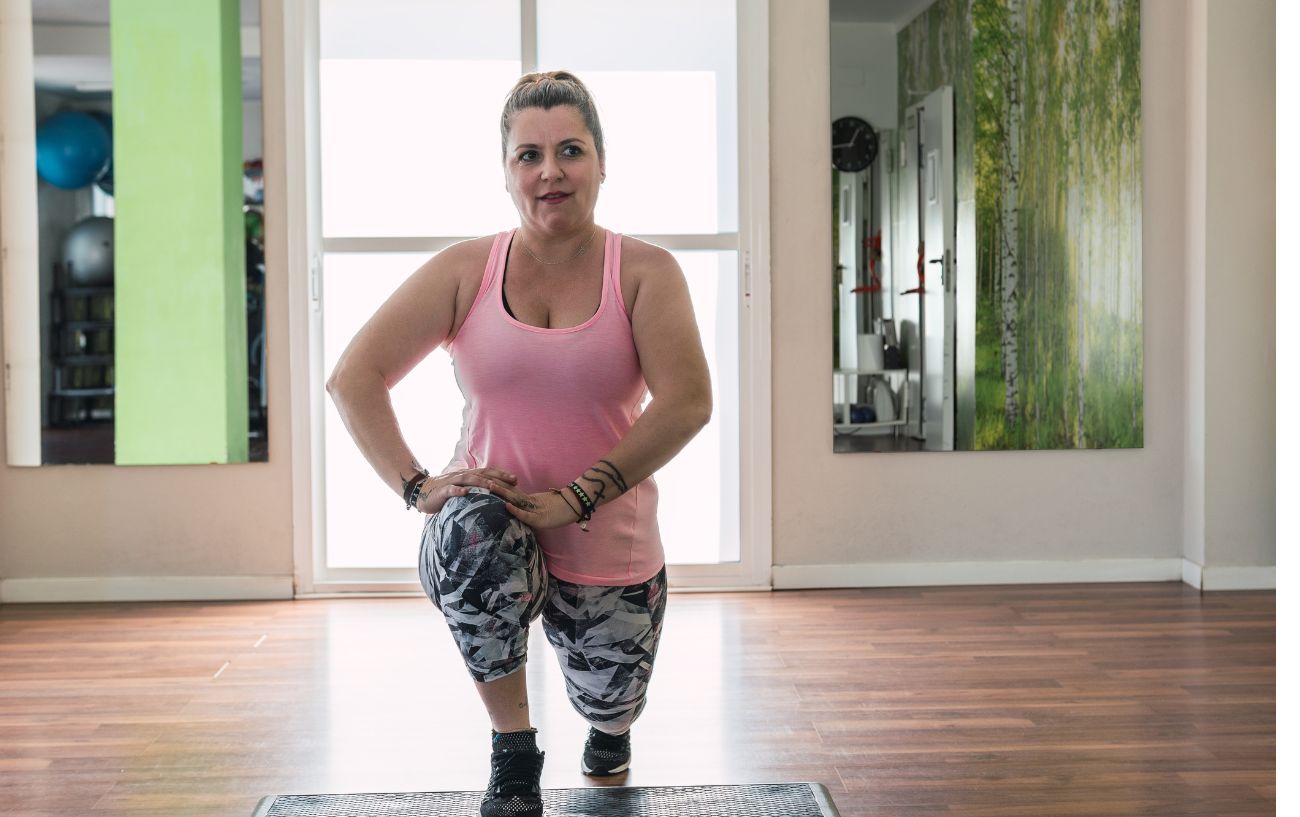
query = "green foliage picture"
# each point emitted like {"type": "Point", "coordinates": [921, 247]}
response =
{"type": "Point", "coordinates": [1049, 132]}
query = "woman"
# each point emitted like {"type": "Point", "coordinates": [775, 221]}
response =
{"type": "Point", "coordinates": [556, 329]}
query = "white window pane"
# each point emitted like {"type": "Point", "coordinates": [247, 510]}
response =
{"type": "Point", "coordinates": [419, 29]}
{"type": "Point", "coordinates": [367, 524]}
{"type": "Point", "coordinates": [699, 490]}
{"type": "Point", "coordinates": [411, 96]}
{"type": "Point", "coordinates": [664, 78]}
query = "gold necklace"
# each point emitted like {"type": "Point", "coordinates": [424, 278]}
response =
{"type": "Point", "coordinates": [580, 251]}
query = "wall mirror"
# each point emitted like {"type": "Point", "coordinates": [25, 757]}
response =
{"type": "Point", "coordinates": [134, 318]}
{"type": "Point", "coordinates": [987, 172]}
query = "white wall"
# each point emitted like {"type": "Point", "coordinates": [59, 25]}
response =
{"type": "Point", "coordinates": [1193, 249]}
{"type": "Point", "coordinates": [1239, 328]}
{"type": "Point", "coordinates": [864, 75]}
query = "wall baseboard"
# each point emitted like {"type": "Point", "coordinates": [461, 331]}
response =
{"type": "Point", "coordinates": [938, 574]}
{"type": "Point", "coordinates": [145, 588]}
{"type": "Point", "coordinates": [784, 577]}
{"type": "Point", "coordinates": [1238, 578]}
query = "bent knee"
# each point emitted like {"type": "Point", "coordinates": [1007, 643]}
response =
{"type": "Point", "coordinates": [481, 560]}
{"type": "Point", "coordinates": [484, 514]}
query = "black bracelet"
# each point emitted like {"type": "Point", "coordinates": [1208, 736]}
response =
{"type": "Point", "coordinates": [407, 487]}
{"type": "Point", "coordinates": [582, 521]}
{"type": "Point", "coordinates": [587, 504]}
{"type": "Point", "coordinates": [410, 490]}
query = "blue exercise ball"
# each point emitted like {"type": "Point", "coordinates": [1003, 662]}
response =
{"type": "Point", "coordinates": [105, 180]}
{"type": "Point", "coordinates": [88, 252]}
{"type": "Point", "coordinates": [72, 150]}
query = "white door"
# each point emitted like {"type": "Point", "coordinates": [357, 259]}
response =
{"type": "Point", "coordinates": [907, 266]}
{"type": "Point", "coordinates": [938, 311]}
{"type": "Point", "coordinates": [847, 265]}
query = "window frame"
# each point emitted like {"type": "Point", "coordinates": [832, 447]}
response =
{"type": "Point", "coordinates": [306, 247]}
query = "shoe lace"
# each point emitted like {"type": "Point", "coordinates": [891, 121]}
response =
{"type": "Point", "coordinates": [516, 773]}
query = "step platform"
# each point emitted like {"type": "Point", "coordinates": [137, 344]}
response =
{"type": "Point", "coordinates": [756, 800]}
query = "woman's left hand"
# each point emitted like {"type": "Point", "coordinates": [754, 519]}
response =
{"type": "Point", "coordinates": [538, 511]}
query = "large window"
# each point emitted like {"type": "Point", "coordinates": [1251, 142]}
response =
{"type": "Point", "coordinates": [410, 100]}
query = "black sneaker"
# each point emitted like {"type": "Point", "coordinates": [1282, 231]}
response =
{"type": "Point", "coordinates": [606, 755]}
{"type": "Point", "coordinates": [514, 789]}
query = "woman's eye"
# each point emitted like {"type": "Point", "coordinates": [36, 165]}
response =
{"type": "Point", "coordinates": [572, 150]}
{"type": "Point", "coordinates": [528, 156]}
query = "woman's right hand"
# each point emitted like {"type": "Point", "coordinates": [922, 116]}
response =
{"type": "Point", "coordinates": [436, 490]}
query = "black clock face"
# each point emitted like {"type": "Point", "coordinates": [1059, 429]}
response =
{"type": "Point", "coordinates": [853, 144]}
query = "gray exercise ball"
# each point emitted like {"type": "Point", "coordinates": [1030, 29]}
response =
{"type": "Point", "coordinates": [88, 252]}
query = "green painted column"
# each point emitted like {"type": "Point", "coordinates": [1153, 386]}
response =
{"type": "Point", "coordinates": [181, 346]}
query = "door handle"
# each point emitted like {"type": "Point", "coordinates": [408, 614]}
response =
{"type": "Point", "coordinates": [942, 269]}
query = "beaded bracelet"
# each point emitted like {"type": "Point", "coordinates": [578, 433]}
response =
{"type": "Point", "coordinates": [587, 504]}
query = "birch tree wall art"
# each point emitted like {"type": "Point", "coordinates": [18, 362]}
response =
{"type": "Point", "coordinates": [1059, 223]}
{"type": "Point", "coordinates": [1056, 132]}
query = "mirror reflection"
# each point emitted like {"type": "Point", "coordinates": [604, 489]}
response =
{"type": "Point", "coordinates": [84, 242]}
{"type": "Point", "coordinates": [986, 171]}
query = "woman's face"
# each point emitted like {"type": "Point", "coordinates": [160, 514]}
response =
{"type": "Point", "coordinates": [552, 170]}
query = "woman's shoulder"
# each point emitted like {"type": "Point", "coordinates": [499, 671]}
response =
{"type": "Point", "coordinates": [642, 254]}
{"type": "Point", "coordinates": [466, 261]}
{"type": "Point", "coordinates": [464, 255]}
{"type": "Point", "coordinates": [641, 260]}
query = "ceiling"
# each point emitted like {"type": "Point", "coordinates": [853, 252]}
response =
{"type": "Point", "coordinates": [95, 12]}
{"type": "Point", "coordinates": [896, 13]}
{"type": "Point", "coordinates": [72, 48]}
{"type": "Point", "coordinates": [65, 72]}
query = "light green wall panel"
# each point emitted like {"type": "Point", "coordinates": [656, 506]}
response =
{"type": "Point", "coordinates": [181, 364]}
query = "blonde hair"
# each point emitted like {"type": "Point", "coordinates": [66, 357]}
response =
{"type": "Point", "coordinates": [545, 90]}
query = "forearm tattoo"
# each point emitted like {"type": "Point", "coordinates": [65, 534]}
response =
{"type": "Point", "coordinates": [603, 479]}
{"type": "Point", "coordinates": [417, 471]}
{"type": "Point", "coordinates": [617, 476]}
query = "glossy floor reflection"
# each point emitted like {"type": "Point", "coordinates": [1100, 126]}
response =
{"type": "Point", "coordinates": [1068, 699]}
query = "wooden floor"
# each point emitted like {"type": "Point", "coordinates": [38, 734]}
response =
{"type": "Point", "coordinates": [1119, 699]}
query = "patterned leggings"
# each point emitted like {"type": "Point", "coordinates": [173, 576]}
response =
{"type": "Point", "coordinates": [483, 569]}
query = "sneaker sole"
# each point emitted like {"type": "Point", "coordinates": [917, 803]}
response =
{"type": "Point", "coordinates": [539, 811]}
{"type": "Point", "coordinates": [604, 772]}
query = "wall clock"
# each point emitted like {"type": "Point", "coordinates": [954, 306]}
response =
{"type": "Point", "coordinates": [853, 144]}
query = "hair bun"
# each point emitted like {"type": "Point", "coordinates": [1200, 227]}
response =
{"type": "Point", "coordinates": [546, 90]}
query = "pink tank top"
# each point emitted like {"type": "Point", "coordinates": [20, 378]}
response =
{"type": "Point", "coordinates": [546, 404]}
